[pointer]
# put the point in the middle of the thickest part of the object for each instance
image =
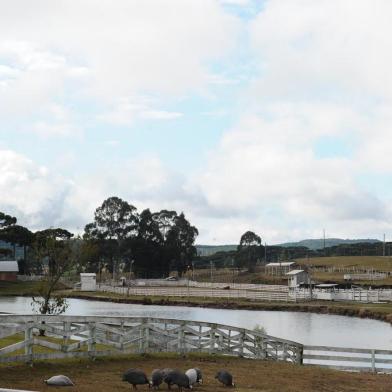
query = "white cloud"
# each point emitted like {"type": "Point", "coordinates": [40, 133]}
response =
{"type": "Point", "coordinates": [337, 48]}
{"type": "Point", "coordinates": [118, 49]}
{"type": "Point", "coordinates": [316, 69]}
{"type": "Point", "coordinates": [265, 174]}
{"type": "Point", "coordinates": [130, 109]}
{"type": "Point", "coordinates": [30, 192]}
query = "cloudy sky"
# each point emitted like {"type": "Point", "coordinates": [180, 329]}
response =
{"type": "Point", "coordinates": [273, 116]}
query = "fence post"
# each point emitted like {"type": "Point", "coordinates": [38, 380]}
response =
{"type": "Point", "coordinates": [146, 337]}
{"type": "Point", "coordinates": [92, 340]}
{"type": "Point", "coordinates": [241, 342]}
{"type": "Point", "coordinates": [212, 339]}
{"type": "Point", "coordinates": [373, 354]}
{"type": "Point", "coordinates": [284, 354]}
{"type": "Point", "coordinates": [67, 328]}
{"type": "Point", "coordinates": [141, 336]}
{"type": "Point", "coordinates": [29, 343]}
{"type": "Point", "coordinates": [181, 333]}
{"type": "Point", "coordinates": [122, 335]}
{"type": "Point", "coordinates": [300, 355]}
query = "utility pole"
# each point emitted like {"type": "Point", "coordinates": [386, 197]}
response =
{"type": "Point", "coordinates": [265, 252]}
{"type": "Point", "coordinates": [232, 267]}
{"type": "Point", "coordinates": [383, 246]}
{"type": "Point", "coordinates": [324, 240]}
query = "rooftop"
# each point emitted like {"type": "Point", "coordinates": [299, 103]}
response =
{"type": "Point", "coordinates": [9, 266]}
{"type": "Point", "coordinates": [285, 264]}
{"type": "Point", "coordinates": [295, 272]}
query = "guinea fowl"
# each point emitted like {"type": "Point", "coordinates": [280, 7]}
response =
{"type": "Point", "coordinates": [135, 377]}
{"type": "Point", "coordinates": [176, 377]}
{"type": "Point", "coordinates": [156, 378]}
{"type": "Point", "coordinates": [225, 378]}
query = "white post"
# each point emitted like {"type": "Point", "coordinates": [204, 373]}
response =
{"type": "Point", "coordinates": [29, 343]}
{"type": "Point", "coordinates": [91, 341]}
{"type": "Point", "coordinates": [373, 360]}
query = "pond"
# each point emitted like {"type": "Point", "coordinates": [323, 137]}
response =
{"type": "Point", "coordinates": [306, 328]}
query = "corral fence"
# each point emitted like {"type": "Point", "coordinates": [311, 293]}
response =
{"type": "Point", "coordinates": [352, 359]}
{"type": "Point", "coordinates": [93, 336]}
{"type": "Point", "coordinates": [367, 276]}
{"type": "Point", "coordinates": [354, 294]}
{"type": "Point", "coordinates": [274, 293]}
{"type": "Point", "coordinates": [348, 270]}
{"type": "Point", "coordinates": [96, 336]}
{"type": "Point", "coordinates": [193, 283]}
{"type": "Point", "coordinates": [256, 295]}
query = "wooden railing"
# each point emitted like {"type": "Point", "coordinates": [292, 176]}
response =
{"type": "Point", "coordinates": [353, 359]}
{"type": "Point", "coordinates": [92, 336]}
{"type": "Point", "coordinates": [206, 293]}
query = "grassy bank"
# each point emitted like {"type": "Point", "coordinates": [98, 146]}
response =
{"type": "Point", "coordinates": [18, 288]}
{"type": "Point", "coordinates": [249, 375]}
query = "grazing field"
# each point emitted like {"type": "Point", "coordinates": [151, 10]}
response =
{"type": "Point", "coordinates": [347, 264]}
{"type": "Point", "coordinates": [229, 276]}
{"type": "Point", "coordinates": [376, 262]}
{"type": "Point", "coordinates": [249, 375]}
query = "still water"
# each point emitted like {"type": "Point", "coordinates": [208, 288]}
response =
{"type": "Point", "coordinates": [306, 328]}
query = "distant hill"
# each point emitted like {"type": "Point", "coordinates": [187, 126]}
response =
{"type": "Point", "coordinates": [312, 244]}
{"type": "Point", "coordinates": [208, 250]}
{"type": "Point", "coordinates": [315, 244]}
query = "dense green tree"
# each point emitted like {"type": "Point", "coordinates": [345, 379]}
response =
{"type": "Point", "coordinates": [19, 235]}
{"type": "Point", "coordinates": [165, 220]}
{"type": "Point", "coordinates": [115, 221]}
{"type": "Point", "coordinates": [6, 220]}
{"type": "Point", "coordinates": [249, 250]}
{"type": "Point", "coordinates": [147, 248]}
{"type": "Point", "coordinates": [180, 244]}
{"type": "Point", "coordinates": [47, 243]}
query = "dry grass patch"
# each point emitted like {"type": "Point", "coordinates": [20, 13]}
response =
{"type": "Point", "coordinates": [376, 262]}
{"type": "Point", "coordinates": [250, 375]}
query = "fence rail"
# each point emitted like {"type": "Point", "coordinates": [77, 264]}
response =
{"type": "Point", "coordinates": [284, 296]}
{"type": "Point", "coordinates": [93, 336]}
{"type": "Point", "coordinates": [344, 358]}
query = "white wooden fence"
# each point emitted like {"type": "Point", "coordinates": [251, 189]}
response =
{"type": "Point", "coordinates": [92, 336]}
{"type": "Point", "coordinates": [353, 359]}
{"type": "Point", "coordinates": [255, 295]}
{"type": "Point", "coordinates": [366, 276]}
{"type": "Point", "coordinates": [193, 283]}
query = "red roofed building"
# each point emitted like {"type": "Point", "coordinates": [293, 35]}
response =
{"type": "Point", "coordinates": [9, 270]}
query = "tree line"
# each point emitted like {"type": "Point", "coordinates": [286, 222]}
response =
{"type": "Point", "coordinates": [119, 239]}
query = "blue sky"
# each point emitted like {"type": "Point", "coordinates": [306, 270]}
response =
{"type": "Point", "coordinates": [272, 116]}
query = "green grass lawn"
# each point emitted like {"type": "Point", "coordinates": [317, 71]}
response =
{"type": "Point", "coordinates": [9, 340]}
{"type": "Point", "coordinates": [18, 288]}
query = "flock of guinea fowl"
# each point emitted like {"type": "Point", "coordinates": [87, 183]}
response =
{"type": "Point", "coordinates": [158, 376]}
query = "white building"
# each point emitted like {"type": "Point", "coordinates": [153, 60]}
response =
{"type": "Point", "coordinates": [298, 277]}
{"type": "Point", "coordinates": [88, 282]}
{"type": "Point", "coordinates": [8, 270]}
{"type": "Point", "coordinates": [279, 268]}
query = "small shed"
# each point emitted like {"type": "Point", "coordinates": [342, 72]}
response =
{"type": "Point", "coordinates": [279, 268]}
{"type": "Point", "coordinates": [88, 282]}
{"type": "Point", "coordinates": [298, 277]}
{"type": "Point", "coordinates": [9, 270]}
